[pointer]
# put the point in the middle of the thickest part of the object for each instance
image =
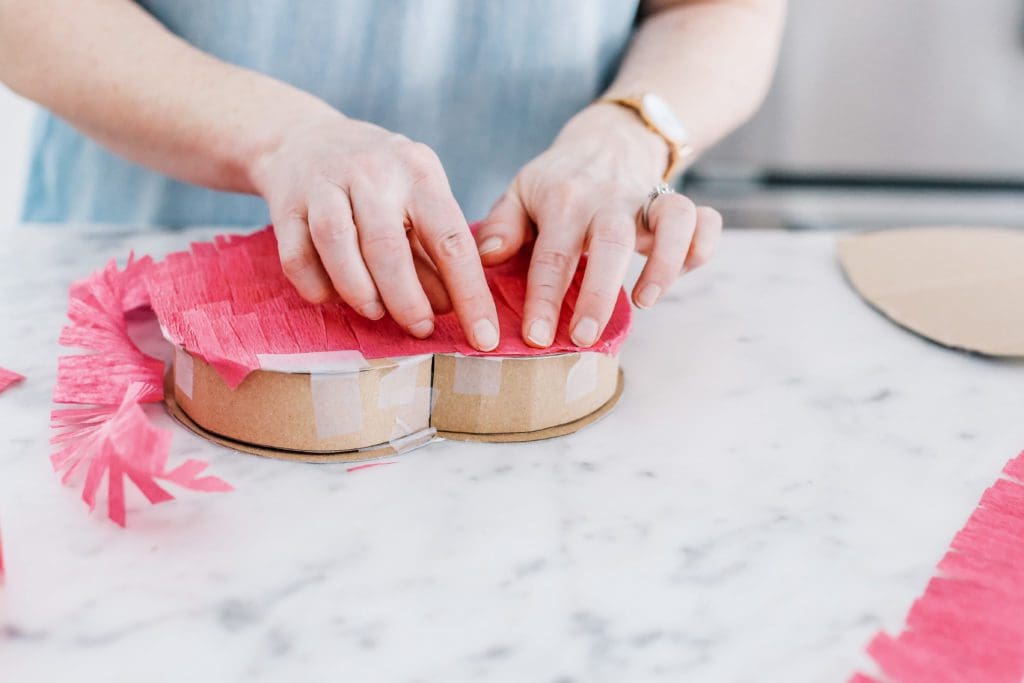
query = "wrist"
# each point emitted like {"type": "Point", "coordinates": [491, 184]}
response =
{"type": "Point", "coordinates": [291, 116]}
{"type": "Point", "coordinates": [619, 130]}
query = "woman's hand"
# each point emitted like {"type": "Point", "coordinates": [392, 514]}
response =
{"type": "Point", "coordinates": [584, 194]}
{"type": "Point", "coordinates": [368, 214]}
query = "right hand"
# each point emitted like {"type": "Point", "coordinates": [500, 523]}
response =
{"type": "Point", "coordinates": [369, 214]}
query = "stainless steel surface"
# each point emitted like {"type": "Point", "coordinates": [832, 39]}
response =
{"type": "Point", "coordinates": [803, 207]}
{"type": "Point", "coordinates": [931, 88]}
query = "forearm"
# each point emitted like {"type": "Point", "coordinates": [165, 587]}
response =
{"type": "Point", "coordinates": [116, 74]}
{"type": "Point", "coordinates": [712, 60]}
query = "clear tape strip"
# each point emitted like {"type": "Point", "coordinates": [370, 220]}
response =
{"type": "Point", "coordinates": [477, 375]}
{"type": "Point", "coordinates": [318, 362]}
{"type": "Point", "coordinates": [337, 404]}
{"type": "Point", "coordinates": [184, 371]}
{"type": "Point", "coordinates": [398, 386]}
{"type": "Point", "coordinates": [412, 441]}
{"type": "Point", "coordinates": [581, 380]}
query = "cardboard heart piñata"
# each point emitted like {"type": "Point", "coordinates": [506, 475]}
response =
{"type": "Point", "coordinates": [261, 370]}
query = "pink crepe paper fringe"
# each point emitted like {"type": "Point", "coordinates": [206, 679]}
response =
{"type": "Point", "coordinates": [121, 442]}
{"type": "Point", "coordinates": [968, 627]}
{"type": "Point", "coordinates": [9, 378]}
{"type": "Point", "coordinates": [109, 436]}
{"type": "Point", "coordinates": [228, 301]}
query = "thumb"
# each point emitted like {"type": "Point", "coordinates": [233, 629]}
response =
{"type": "Point", "coordinates": [503, 232]}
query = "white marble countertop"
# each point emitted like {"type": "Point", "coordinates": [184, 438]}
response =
{"type": "Point", "coordinates": [784, 471]}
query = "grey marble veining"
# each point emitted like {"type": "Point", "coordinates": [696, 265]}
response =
{"type": "Point", "coordinates": [781, 476]}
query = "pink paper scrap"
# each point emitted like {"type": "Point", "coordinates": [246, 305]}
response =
{"type": "Point", "coordinates": [968, 627]}
{"type": "Point", "coordinates": [104, 434]}
{"type": "Point", "coordinates": [9, 378]}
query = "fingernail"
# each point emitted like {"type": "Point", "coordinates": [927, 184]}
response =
{"type": "Point", "coordinates": [490, 244]}
{"type": "Point", "coordinates": [422, 329]}
{"type": "Point", "coordinates": [585, 332]}
{"type": "Point", "coordinates": [485, 334]}
{"type": "Point", "coordinates": [648, 296]}
{"type": "Point", "coordinates": [373, 311]}
{"type": "Point", "coordinates": [540, 332]}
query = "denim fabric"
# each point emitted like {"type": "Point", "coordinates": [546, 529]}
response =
{"type": "Point", "coordinates": [486, 83]}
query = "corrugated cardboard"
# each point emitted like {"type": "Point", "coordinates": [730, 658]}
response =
{"type": "Point", "coordinates": [959, 287]}
{"type": "Point", "coordinates": [273, 413]}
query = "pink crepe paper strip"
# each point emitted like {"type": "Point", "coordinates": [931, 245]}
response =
{"type": "Point", "coordinates": [119, 442]}
{"type": "Point", "coordinates": [368, 465]}
{"type": "Point", "coordinates": [228, 301]}
{"type": "Point", "coordinates": [9, 378]}
{"type": "Point", "coordinates": [968, 627]}
{"type": "Point", "coordinates": [109, 435]}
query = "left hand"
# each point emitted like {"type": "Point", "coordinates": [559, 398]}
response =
{"type": "Point", "coordinates": [584, 194]}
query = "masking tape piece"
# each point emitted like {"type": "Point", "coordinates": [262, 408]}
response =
{"type": "Point", "coordinates": [337, 404]}
{"type": "Point", "coordinates": [398, 386]}
{"type": "Point", "coordinates": [477, 375]}
{"type": "Point", "coordinates": [582, 378]}
{"type": "Point", "coordinates": [184, 370]}
{"type": "Point", "coordinates": [318, 362]}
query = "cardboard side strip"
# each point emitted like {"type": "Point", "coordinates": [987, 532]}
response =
{"type": "Point", "coordinates": [337, 404]}
{"type": "Point", "coordinates": [477, 375]}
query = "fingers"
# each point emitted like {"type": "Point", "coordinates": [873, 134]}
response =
{"type": "Point", "coordinates": [299, 259]}
{"type": "Point", "coordinates": [334, 235]}
{"type": "Point", "coordinates": [429, 278]}
{"type": "Point", "coordinates": [705, 240]}
{"type": "Point", "coordinates": [388, 257]}
{"type": "Point", "coordinates": [673, 220]}
{"type": "Point", "coordinates": [612, 238]}
{"type": "Point", "coordinates": [503, 232]}
{"type": "Point", "coordinates": [442, 230]}
{"type": "Point", "coordinates": [555, 257]}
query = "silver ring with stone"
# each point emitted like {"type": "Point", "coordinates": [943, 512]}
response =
{"type": "Point", "coordinates": [656, 191]}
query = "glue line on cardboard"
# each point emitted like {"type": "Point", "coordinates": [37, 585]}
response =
{"type": "Point", "coordinates": [337, 404]}
{"type": "Point", "coordinates": [477, 375]}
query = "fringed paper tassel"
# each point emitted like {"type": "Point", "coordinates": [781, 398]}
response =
{"type": "Point", "coordinates": [119, 442]}
{"type": "Point", "coordinates": [110, 436]}
{"type": "Point", "coordinates": [968, 627]}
